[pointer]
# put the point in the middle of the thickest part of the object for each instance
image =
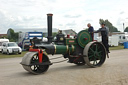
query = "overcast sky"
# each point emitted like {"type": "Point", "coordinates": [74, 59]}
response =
{"type": "Point", "coordinates": [67, 14]}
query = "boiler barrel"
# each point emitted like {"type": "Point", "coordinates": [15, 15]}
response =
{"type": "Point", "coordinates": [56, 49]}
{"type": "Point", "coordinates": [63, 49]}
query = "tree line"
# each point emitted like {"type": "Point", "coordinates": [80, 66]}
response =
{"type": "Point", "coordinates": [110, 26]}
{"type": "Point", "coordinates": [13, 37]}
{"type": "Point", "coordinates": [126, 29]}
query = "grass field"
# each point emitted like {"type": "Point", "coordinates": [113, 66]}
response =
{"type": "Point", "coordinates": [12, 55]}
{"type": "Point", "coordinates": [117, 48]}
{"type": "Point", "coordinates": [23, 53]}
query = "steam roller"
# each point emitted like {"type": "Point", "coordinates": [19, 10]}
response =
{"type": "Point", "coordinates": [80, 50]}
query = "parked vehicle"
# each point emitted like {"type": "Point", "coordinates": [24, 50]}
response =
{"type": "Point", "coordinates": [24, 38]}
{"type": "Point", "coordinates": [2, 41]}
{"type": "Point", "coordinates": [113, 40]}
{"type": "Point", "coordinates": [11, 47]}
{"type": "Point", "coordinates": [123, 38]}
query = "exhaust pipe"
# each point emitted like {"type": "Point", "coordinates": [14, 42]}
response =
{"type": "Point", "coordinates": [49, 21]}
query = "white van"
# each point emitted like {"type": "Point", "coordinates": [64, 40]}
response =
{"type": "Point", "coordinates": [2, 41]}
{"type": "Point", "coordinates": [123, 38]}
{"type": "Point", "coordinates": [114, 40]}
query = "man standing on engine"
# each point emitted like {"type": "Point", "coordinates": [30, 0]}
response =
{"type": "Point", "coordinates": [90, 30]}
{"type": "Point", "coordinates": [104, 33]}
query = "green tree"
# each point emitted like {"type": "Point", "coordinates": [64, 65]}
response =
{"type": "Point", "coordinates": [54, 34]}
{"type": "Point", "coordinates": [13, 36]}
{"type": "Point", "coordinates": [126, 29]}
{"type": "Point", "coordinates": [86, 29]}
{"type": "Point", "coordinates": [3, 37]}
{"type": "Point", "coordinates": [109, 25]}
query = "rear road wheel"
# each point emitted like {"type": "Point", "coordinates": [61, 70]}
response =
{"type": "Point", "coordinates": [95, 54]}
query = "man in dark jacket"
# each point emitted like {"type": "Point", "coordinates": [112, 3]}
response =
{"type": "Point", "coordinates": [104, 33]}
{"type": "Point", "coordinates": [90, 30]}
{"type": "Point", "coordinates": [60, 38]}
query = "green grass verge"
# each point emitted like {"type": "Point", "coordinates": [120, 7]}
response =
{"type": "Point", "coordinates": [12, 55]}
{"type": "Point", "coordinates": [117, 47]}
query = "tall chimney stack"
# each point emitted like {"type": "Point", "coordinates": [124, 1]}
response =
{"type": "Point", "coordinates": [49, 21]}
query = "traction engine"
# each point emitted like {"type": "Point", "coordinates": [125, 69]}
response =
{"type": "Point", "coordinates": [80, 50]}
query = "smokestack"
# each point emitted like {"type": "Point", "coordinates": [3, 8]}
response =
{"type": "Point", "coordinates": [49, 21]}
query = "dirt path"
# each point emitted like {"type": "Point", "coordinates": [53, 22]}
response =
{"type": "Point", "coordinates": [113, 72]}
